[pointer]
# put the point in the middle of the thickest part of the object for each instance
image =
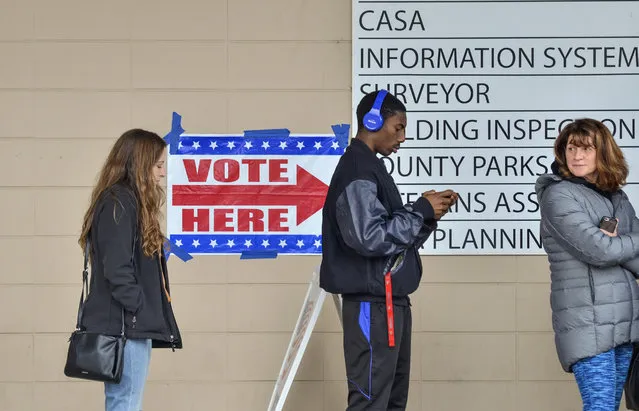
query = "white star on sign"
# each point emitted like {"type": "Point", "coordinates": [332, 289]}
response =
{"type": "Point", "coordinates": [213, 145]}
{"type": "Point", "coordinates": [335, 145]}
{"type": "Point", "coordinates": [213, 243]}
{"type": "Point", "coordinates": [300, 243]}
{"type": "Point", "coordinates": [300, 145]}
{"type": "Point", "coordinates": [317, 243]}
{"type": "Point", "coordinates": [248, 243]}
{"type": "Point", "coordinates": [282, 243]}
{"type": "Point", "coordinates": [283, 145]}
{"type": "Point", "coordinates": [231, 145]}
{"type": "Point", "coordinates": [265, 145]}
{"type": "Point", "coordinates": [178, 243]}
{"type": "Point", "coordinates": [248, 145]}
{"type": "Point", "coordinates": [196, 243]}
{"type": "Point", "coordinates": [265, 243]}
{"type": "Point", "coordinates": [317, 145]}
{"type": "Point", "coordinates": [230, 243]}
{"type": "Point", "coordinates": [196, 145]}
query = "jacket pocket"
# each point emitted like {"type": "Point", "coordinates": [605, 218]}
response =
{"type": "Point", "coordinates": [395, 263]}
{"type": "Point", "coordinates": [591, 281]}
{"type": "Point", "coordinates": [405, 272]}
{"type": "Point", "coordinates": [129, 320]}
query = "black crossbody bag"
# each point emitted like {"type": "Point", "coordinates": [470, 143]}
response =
{"type": "Point", "coordinates": [94, 356]}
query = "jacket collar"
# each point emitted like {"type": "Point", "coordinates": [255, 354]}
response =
{"type": "Point", "coordinates": [359, 146]}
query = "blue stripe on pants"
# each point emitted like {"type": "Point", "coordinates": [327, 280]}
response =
{"type": "Point", "coordinates": [365, 325]}
{"type": "Point", "coordinates": [365, 319]}
{"type": "Point", "coordinates": [601, 378]}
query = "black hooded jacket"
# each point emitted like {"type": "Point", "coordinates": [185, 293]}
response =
{"type": "Point", "coordinates": [122, 276]}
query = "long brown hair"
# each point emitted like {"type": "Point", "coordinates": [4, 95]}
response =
{"type": "Point", "coordinates": [131, 163]}
{"type": "Point", "coordinates": [612, 169]}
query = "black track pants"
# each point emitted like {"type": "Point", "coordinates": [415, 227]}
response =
{"type": "Point", "coordinates": [377, 374]}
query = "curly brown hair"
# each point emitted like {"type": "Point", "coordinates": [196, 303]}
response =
{"type": "Point", "coordinates": [612, 169]}
{"type": "Point", "coordinates": [131, 163]}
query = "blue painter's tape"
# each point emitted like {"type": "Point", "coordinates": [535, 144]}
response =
{"type": "Point", "coordinates": [341, 133]}
{"type": "Point", "coordinates": [253, 255]}
{"type": "Point", "coordinates": [173, 137]}
{"type": "Point", "coordinates": [273, 132]}
{"type": "Point", "coordinates": [174, 249]}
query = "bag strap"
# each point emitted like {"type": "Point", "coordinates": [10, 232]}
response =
{"type": "Point", "coordinates": [85, 284]}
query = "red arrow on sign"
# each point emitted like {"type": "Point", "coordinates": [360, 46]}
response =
{"type": "Point", "coordinates": [308, 195]}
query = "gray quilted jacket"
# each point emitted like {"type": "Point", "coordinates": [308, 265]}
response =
{"type": "Point", "coordinates": [594, 295]}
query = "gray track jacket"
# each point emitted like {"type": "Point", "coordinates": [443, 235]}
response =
{"type": "Point", "coordinates": [594, 295]}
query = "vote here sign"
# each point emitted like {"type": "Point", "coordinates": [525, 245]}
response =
{"type": "Point", "coordinates": [261, 191]}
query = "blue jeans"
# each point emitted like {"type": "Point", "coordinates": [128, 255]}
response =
{"type": "Point", "coordinates": [128, 394]}
{"type": "Point", "coordinates": [601, 378]}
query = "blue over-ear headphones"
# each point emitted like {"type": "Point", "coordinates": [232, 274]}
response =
{"type": "Point", "coordinates": [373, 120]}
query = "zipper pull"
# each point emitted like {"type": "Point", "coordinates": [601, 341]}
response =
{"type": "Point", "coordinates": [172, 344]}
{"type": "Point", "coordinates": [133, 321]}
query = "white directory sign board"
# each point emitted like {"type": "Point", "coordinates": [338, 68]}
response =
{"type": "Point", "coordinates": [487, 86]}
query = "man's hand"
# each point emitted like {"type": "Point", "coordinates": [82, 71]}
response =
{"type": "Point", "coordinates": [441, 201]}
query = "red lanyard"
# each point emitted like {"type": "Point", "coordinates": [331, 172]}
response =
{"type": "Point", "coordinates": [390, 317]}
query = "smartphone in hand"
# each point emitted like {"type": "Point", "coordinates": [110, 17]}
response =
{"type": "Point", "coordinates": [608, 224]}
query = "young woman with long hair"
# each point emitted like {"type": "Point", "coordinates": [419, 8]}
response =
{"type": "Point", "coordinates": [128, 268]}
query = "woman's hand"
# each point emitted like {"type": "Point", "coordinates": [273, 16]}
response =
{"type": "Point", "coordinates": [608, 233]}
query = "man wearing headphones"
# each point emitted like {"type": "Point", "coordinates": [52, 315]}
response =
{"type": "Point", "coordinates": [370, 243]}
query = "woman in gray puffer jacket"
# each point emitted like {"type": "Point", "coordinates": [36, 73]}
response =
{"type": "Point", "coordinates": [594, 295]}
